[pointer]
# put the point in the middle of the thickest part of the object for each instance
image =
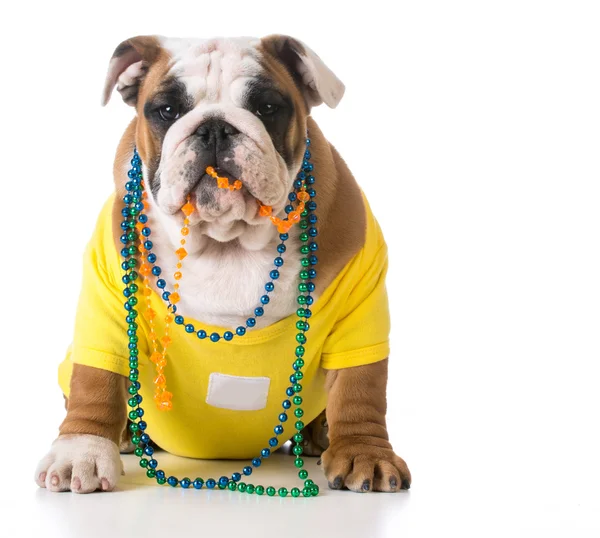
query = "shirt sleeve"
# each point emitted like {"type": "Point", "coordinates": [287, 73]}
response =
{"type": "Point", "coordinates": [100, 338]}
{"type": "Point", "coordinates": [360, 334]}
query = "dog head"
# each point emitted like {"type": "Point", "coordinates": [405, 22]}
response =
{"type": "Point", "coordinates": [238, 105]}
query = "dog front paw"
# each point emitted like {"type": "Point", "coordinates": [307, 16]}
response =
{"type": "Point", "coordinates": [364, 464]}
{"type": "Point", "coordinates": [81, 464]}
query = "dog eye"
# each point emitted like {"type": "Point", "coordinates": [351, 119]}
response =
{"type": "Point", "coordinates": [169, 112]}
{"type": "Point", "coordinates": [267, 109]}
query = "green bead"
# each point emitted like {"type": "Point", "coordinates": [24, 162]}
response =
{"type": "Point", "coordinates": [300, 363]}
{"type": "Point", "coordinates": [150, 473]}
{"type": "Point", "coordinates": [303, 474]}
{"type": "Point", "coordinates": [250, 489]}
{"type": "Point", "coordinates": [297, 387]}
{"type": "Point", "coordinates": [132, 301]}
{"type": "Point", "coordinates": [232, 486]}
{"type": "Point", "coordinates": [305, 262]}
{"type": "Point", "coordinates": [299, 375]}
{"type": "Point", "coordinates": [304, 213]}
{"type": "Point", "coordinates": [133, 427]}
{"type": "Point", "coordinates": [131, 236]}
{"type": "Point", "coordinates": [135, 440]}
{"type": "Point", "coordinates": [306, 492]}
{"type": "Point", "coordinates": [271, 491]}
{"type": "Point", "coordinates": [133, 325]}
{"type": "Point", "coordinates": [315, 490]}
{"type": "Point", "coordinates": [299, 425]}
{"type": "Point", "coordinates": [132, 250]}
{"type": "Point", "coordinates": [304, 274]}
{"type": "Point", "coordinates": [297, 399]}
{"type": "Point", "coordinates": [132, 390]}
{"type": "Point", "coordinates": [304, 249]}
{"type": "Point", "coordinates": [303, 224]}
{"type": "Point", "coordinates": [133, 275]}
{"type": "Point", "coordinates": [299, 462]}
{"type": "Point", "coordinates": [295, 492]}
{"type": "Point", "coordinates": [133, 288]}
{"type": "Point", "coordinates": [259, 490]}
{"type": "Point", "coordinates": [302, 287]}
{"type": "Point", "coordinates": [298, 438]}
{"type": "Point", "coordinates": [133, 377]}
{"type": "Point", "coordinates": [301, 299]}
{"type": "Point", "coordinates": [132, 402]}
{"type": "Point", "coordinates": [300, 325]}
{"type": "Point", "coordinates": [297, 450]}
{"type": "Point", "coordinates": [241, 487]}
{"type": "Point", "coordinates": [282, 492]}
{"type": "Point", "coordinates": [300, 338]}
{"type": "Point", "coordinates": [304, 237]}
{"type": "Point", "coordinates": [300, 312]}
{"type": "Point", "coordinates": [135, 352]}
{"type": "Point", "coordinates": [161, 481]}
{"type": "Point", "coordinates": [139, 452]}
{"type": "Point", "coordinates": [133, 339]}
{"type": "Point", "coordinates": [221, 486]}
{"type": "Point", "coordinates": [309, 483]}
{"type": "Point", "coordinates": [132, 263]}
{"type": "Point", "coordinates": [133, 211]}
{"type": "Point", "coordinates": [300, 351]}
{"type": "Point", "coordinates": [133, 364]}
{"type": "Point", "coordinates": [133, 415]}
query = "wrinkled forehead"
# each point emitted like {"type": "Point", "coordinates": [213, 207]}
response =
{"type": "Point", "coordinates": [215, 70]}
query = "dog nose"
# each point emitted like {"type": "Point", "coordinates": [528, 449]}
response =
{"type": "Point", "coordinates": [215, 132]}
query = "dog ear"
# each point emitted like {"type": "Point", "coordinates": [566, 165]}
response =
{"type": "Point", "coordinates": [316, 81]}
{"type": "Point", "coordinates": [128, 66]}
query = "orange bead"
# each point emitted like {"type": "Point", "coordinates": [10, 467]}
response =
{"type": "Point", "coordinates": [174, 297]}
{"type": "Point", "coordinates": [185, 231]}
{"type": "Point", "coordinates": [182, 241]}
{"type": "Point", "coordinates": [166, 340]}
{"type": "Point", "coordinates": [237, 184]}
{"type": "Point", "coordinates": [211, 171]}
{"type": "Point", "coordinates": [145, 269]}
{"type": "Point", "coordinates": [149, 313]}
{"type": "Point", "coordinates": [300, 207]}
{"type": "Point", "coordinates": [303, 196]}
{"type": "Point", "coordinates": [169, 319]}
{"type": "Point", "coordinates": [176, 286]}
{"type": "Point", "coordinates": [155, 357]}
{"type": "Point", "coordinates": [181, 253]}
{"type": "Point", "coordinates": [187, 209]}
{"type": "Point", "coordinates": [178, 275]}
{"type": "Point", "coordinates": [265, 210]}
{"type": "Point", "coordinates": [147, 291]}
{"type": "Point", "coordinates": [165, 405]}
{"type": "Point", "coordinates": [293, 216]}
{"type": "Point", "coordinates": [160, 381]}
{"type": "Point", "coordinates": [284, 227]}
{"type": "Point", "coordinates": [179, 265]}
{"type": "Point", "coordinates": [222, 182]}
{"type": "Point", "coordinates": [161, 363]}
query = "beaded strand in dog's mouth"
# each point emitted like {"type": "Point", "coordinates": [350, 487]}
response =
{"type": "Point", "coordinates": [136, 230]}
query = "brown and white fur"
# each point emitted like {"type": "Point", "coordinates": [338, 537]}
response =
{"type": "Point", "coordinates": [219, 87]}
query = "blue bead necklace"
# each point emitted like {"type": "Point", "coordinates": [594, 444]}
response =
{"type": "Point", "coordinates": [135, 229]}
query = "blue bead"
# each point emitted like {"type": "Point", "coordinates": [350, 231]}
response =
{"type": "Point", "coordinates": [247, 471]}
{"type": "Point", "coordinates": [148, 246]}
{"type": "Point", "coordinates": [189, 328]}
{"type": "Point", "coordinates": [201, 334]}
{"type": "Point", "coordinates": [292, 379]}
{"type": "Point", "coordinates": [166, 295]}
{"type": "Point", "coordinates": [128, 185]}
{"type": "Point", "coordinates": [278, 429]}
{"type": "Point", "coordinates": [160, 283]}
{"type": "Point", "coordinates": [312, 192]}
{"type": "Point", "coordinates": [143, 218]}
{"type": "Point", "coordinates": [125, 279]}
{"type": "Point", "coordinates": [179, 320]}
{"type": "Point", "coordinates": [289, 208]}
{"type": "Point", "coordinates": [172, 481]}
{"type": "Point", "coordinates": [307, 154]}
{"type": "Point", "coordinates": [292, 197]}
{"type": "Point", "coordinates": [198, 483]}
{"type": "Point", "coordinates": [297, 183]}
{"type": "Point", "coordinates": [149, 450]}
{"type": "Point", "coordinates": [140, 207]}
{"type": "Point", "coordinates": [286, 404]}
{"type": "Point", "coordinates": [309, 300]}
{"type": "Point", "coordinates": [125, 212]}
{"type": "Point", "coordinates": [210, 483]}
{"type": "Point", "coordinates": [156, 270]}
{"type": "Point", "coordinates": [127, 307]}
{"type": "Point", "coordinates": [313, 247]}
{"type": "Point", "coordinates": [259, 311]}
{"type": "Point", "coordinates": [281, 248]}
{"type": "Point", "coordinates": [124, 225]}
{"type": "Point", "coordinates": [152, 464]}
{"type": "Point", "coordinates": [307, 312]}
{"type": "Point", "coordinates": [141, 424]}
{"type": "Point", "coordinates": [127, 199]}
{"type": "Point", "coordinates": [146, 231]}
{"type": "Point", "coordinates": [312, 273]}
{"type": "Point", "coordinates": [311, 206]}
{"type": "Point", "coordinates": [283, 417]}
{"type": "Point", "coordinates": [265, 452]}
{"type": "Point", "coordinates": [301, 175]}
{"type": "Point", "coordinates": [140, 412]}
{"type": "Point", "coordinates": [310, 286]}
{"type": "Point", "coordinates": [228, 335]}
{"type": "Point", "coordinates": [284, 237]}
{"type": "Point", "coordinates": [265, 299]}
{"type": "Point", "coordinates": [185, 483]}
{"type": "Point", "coordinates": [172, 308]}
{"type": "Point", "coordinates": [278, 261]}
{"type": "Point", "coordinates": [310, 180]}
{"type": "Point", "coordinates": [273, 441]}
{"type": "Point", "coordinates": [305, 163]}
{"type": "Point", "coordinates": [269, 286]}
{"type": "Point", "coordinates": [151, 257]}
{"type": "Point", "coordinates": [236, 477]}
{"type": "Point", "coordinates": [274, 274]}
{"type": "Point", "coordinates": [127, 293]}
{"type": "Point", "coordinates": [223, 481]}
{"type": "Point", "coordinates": [145, 438]}
{"type": "Point", "coordinates": [160, 474]}
{"type": "Point", "coordinates": [124, 239]}
{"type": "Point", "coordinates": [312, 218]}
{"type": "Point", "coordinates": [125, 252]}
{"type": "Point", "coordinates": [308, 141]}
{"type": "Point", "coordinates": [240, 331]}
{"type": "Point", "coordinates": [313, 259]}
{"type": "Point", "coordinates": [290, 391]}
{"type": "Point", "coordinates": [250, 322]}
{"type": "Point", "coordinates": [215, 337]}
{"type": "Point", "coordinates": [256, 462]}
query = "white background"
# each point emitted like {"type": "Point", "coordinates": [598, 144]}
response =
{"type": "Point", "coordinates": [474, 129]}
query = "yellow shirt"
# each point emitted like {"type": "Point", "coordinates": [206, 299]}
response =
{"type": "Point", "coordinates": [349, 326]}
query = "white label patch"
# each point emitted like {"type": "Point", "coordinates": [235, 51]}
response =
{"type": "Point", "coordinates": [237, 393]}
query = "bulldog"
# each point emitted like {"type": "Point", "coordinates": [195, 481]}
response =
{"type": "Point", "coordinates": [241, 106]}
